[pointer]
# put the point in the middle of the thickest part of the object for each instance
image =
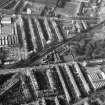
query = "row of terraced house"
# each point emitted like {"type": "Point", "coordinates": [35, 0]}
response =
{"type": "Point", "coordinates": [62, 85]}
{"type": "Point", "coordinates": [29, 34]}
{"type": "Point", "coordinates": [38, 33]}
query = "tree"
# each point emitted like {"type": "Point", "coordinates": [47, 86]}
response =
{"type": "Point", "coordinates": [3, 55]}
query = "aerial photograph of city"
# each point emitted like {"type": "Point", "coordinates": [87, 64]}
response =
{"type": "Point", "coordinates": [52, 52]}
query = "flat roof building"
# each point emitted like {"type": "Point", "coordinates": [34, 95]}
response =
{"type": "Point", "coordinates": [49, 3]}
